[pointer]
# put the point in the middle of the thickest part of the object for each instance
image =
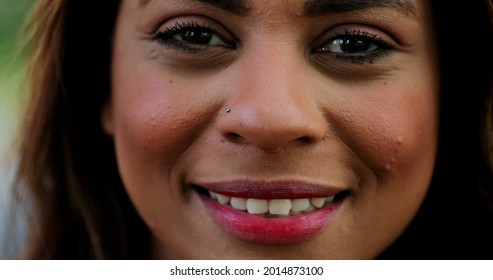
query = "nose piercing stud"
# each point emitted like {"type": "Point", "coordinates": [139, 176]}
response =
{"type": "Point", "coordinates": [228, 110]}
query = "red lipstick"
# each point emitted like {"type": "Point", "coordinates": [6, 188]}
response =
{"type": "Point", "coordinates": [287, 189]}
{"type": "Point", "coordinates": [272, 230]}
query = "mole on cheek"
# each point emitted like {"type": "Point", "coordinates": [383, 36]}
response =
{"type": "Point", "coordinates": [394, 155]}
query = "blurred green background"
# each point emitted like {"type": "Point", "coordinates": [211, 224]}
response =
{"type": "Point", "coordinates": [12, 17]}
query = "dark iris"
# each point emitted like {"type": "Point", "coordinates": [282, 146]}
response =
{"type": "Point", "coordinates": [354, 45]}
{"type": "Point", "coordinates": [197, 36]}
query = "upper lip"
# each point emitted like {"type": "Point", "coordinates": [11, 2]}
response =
{"type": "Point", "coordinates": [279, 189]}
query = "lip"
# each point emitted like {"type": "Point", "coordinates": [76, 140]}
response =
{"type": "Point", "coordinates": [283, 189]}
{"type": "Point", "coordinates": [271, 231]}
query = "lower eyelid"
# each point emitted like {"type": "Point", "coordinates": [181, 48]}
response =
{"type": "Point", "coordinates": [174, 42]}
{"type": "Point", "coordinates": [176, 45]}
{"type": "Point", "coordinates": [193, 61]}
{"type": "Point", "coordinates": [340, 60]}
{"type": "Point", "coordinates": [370, 57]}
{"type": "Point", "coordinates": [361, 59]}
{"type": "Point", "coordinates": [353, 69]}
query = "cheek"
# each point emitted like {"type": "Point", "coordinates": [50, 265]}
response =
{"type": "Point", "coordinates": [393, 127]}
{"type": "Point", "coordinates": [156, 117]}
{"type": "Point", "coordinates": [392, 130]}
{"type": "Point", "coordinates": [146, 119]}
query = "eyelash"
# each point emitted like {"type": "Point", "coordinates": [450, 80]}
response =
{"type": "Point", "coordinates": [381, 46]}
{"type": "Point", "coordinates": [166, 37]}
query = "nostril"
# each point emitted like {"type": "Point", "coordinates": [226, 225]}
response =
{"type": "Point", "coordinates": [305, 139]}
{"type": "Point", "coordinates": [234, 137]}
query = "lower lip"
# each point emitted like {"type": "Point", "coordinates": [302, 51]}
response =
{"type": "Point", "coordinates": [271, 231]}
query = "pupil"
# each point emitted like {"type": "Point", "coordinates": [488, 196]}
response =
{"type": "Point", "coordinates": [354, 45]}
{"type": "Point", "coordinates": [197, 36]}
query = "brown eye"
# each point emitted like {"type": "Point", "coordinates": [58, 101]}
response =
{"type": "Point", "coordinates": [350, 46]}
{"type": "Point", "coordinates": [190, 36]}
{"type": "Point", "coordinates": [355, 46]}
{"type": "Point", "coordinates": [198, 36]}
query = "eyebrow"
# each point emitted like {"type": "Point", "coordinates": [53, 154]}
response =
{"type": "Point", "coordinates": [320, 7]}
{"type": "Point", "coordinates": [237, 7]}
{"type": "Point", "coordinates": [143, 3]}
{"type": "Point", "coordinates": [315, 7]}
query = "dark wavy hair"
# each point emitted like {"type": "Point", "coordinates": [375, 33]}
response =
{"type": "Point", "coordinates": [68, 166]}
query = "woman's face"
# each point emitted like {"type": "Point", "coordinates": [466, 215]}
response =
{"type": "Point", "coordinates": [274, 129]}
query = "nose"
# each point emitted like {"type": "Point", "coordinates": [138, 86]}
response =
{"type": "Point", "coordinates": [271, 106]}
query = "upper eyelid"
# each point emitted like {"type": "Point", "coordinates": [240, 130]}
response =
{"type": "Point", "coordinates": [376, 38]}
{"type": "Point", "coordinates": [357, 29]}
{"type": "Point", "coordinates": [184, 24]}
{"type": "Point", "coordinates": [200, 21]}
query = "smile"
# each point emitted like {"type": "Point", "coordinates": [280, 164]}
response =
{"type": "Point", "coordinates": [275, 207]}
{"type": "Point", "coordinates": [273, 213]}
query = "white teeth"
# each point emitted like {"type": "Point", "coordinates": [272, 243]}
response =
{"type": "Point", "coordinates": [238, 203]}
{"type": "Point", "coordinates": [318, 202]}
{"type": "Point", "coordinates": [213, 194]}
{"type": "Point", "coordinates": [223, 199]}
{"type": "Point", "coordinates": [298, 205]}
{"type": "Point", "coordinates": [279, 207]}
{"type": "Point", "coordinates": [309, 209]}
{"type": "Point", "coordinates": [257, 206]}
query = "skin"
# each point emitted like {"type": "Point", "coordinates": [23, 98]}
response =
{"type": "Point", "coordinates": [368, 126]}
